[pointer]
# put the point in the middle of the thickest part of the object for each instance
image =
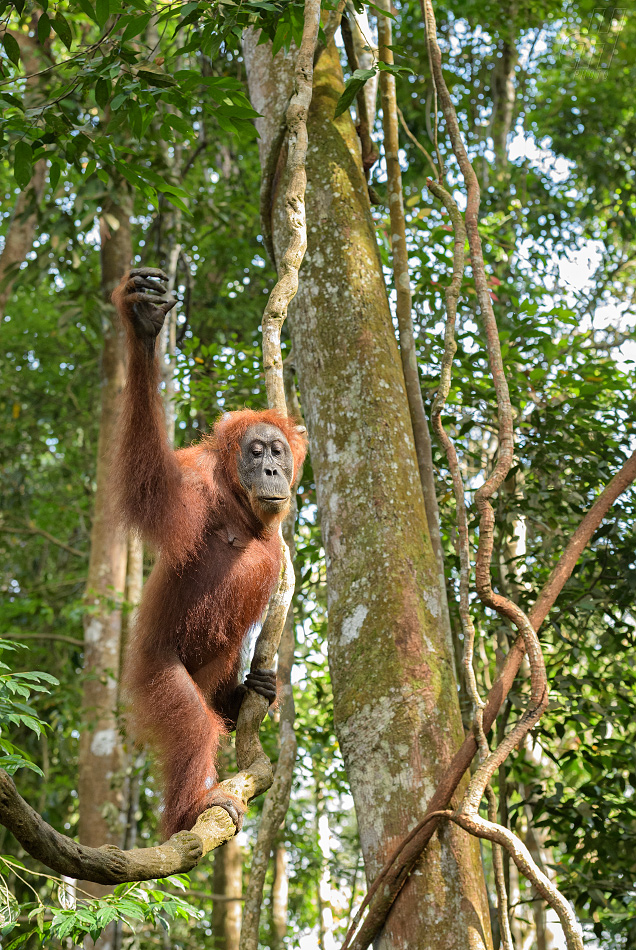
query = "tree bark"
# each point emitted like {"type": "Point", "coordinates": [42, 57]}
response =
{"type": "Point", "coordinates": [280, 898]}
{"type": "Point", "coordinates": [503, 93]}
{"type": "Point", "coordinates": [395, 694]}
{"type": "Point", "coordinates": [101, 760]}
{"type": "Point", "coordinates": [366, 52]}
{"type": "Point", "coordinates": [404, 302]}
{"type": "Point", "coordinates": [21, 231]}
{"type": "Point", "coordinates": [228, 881]}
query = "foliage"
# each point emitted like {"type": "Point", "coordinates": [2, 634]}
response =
{"type": "Point", "coordinates": [100, 82]}
{"type": "Point", "coordinates": [88, 918]}
{"type": "Point", "coordinates": [15, 711]}
{"type": "Point", "coordinates": [359, 78]}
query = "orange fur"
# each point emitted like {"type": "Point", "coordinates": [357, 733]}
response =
{"type": "Point", "coordinates": [205, 591]}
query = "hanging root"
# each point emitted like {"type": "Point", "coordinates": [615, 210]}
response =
{"type": "Point", "coordinates": [481, 828]}
{"type": "Point", "coordinates": [468, 815]}
{"type": "Point", "coordinates": [452, 296]}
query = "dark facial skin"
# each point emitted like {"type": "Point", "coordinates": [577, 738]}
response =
{"type": "Point", "coordinates": [265, 468]}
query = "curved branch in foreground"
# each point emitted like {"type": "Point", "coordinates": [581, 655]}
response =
{"type": "Point", "coordinates": [579, 540]}
{"type": "Point", "coordinates": [109, 864]}
{"type": "Point", "coordinates": [474, 824]}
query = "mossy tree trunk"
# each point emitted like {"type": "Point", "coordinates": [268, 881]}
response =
{"type": "Point", "coordinates": [395, 694]}
{"type": "Point", "coordinates": [101, 757]}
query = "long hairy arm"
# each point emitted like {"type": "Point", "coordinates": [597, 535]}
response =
{"type": "Point", "coordinates": [151, 492]}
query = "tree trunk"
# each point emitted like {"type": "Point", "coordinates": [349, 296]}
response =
{"type": "Point", "coordinates": [19, 238]}
{"type": "Point", "coordinates": [325, 910]}
{"type": "Point", "coordinates": [228, 881]}
{"type": "Point", "coordinates": [21, 231]}
{"type": "Point", "coordinates": [395, 694]}
{"type": "Point", "coordinates": [101, 756]}
{"type": "Point", "coordinates": [280, 898]}
{"type": "Point", "coordinates": [366, 53]}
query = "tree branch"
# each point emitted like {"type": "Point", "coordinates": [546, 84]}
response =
{"type": "Point", "coordinates": [287, 284]}
{"type": "Point", "coordinates": [581, 537]}
{"type": "Point", "coordinates": [5, 529]}
{"type": "Point", "coordinates": [109, 864]}
{"type": "Point", "coordinates": [279, 617]}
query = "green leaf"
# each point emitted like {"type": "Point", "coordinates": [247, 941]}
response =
{"type": "Point", "coordinates": [88, 9]}
{"type": "Point", "coordinates": [134, 118]}
{"type": "Point", "coordinates": [32, 724]}
{"type": "Point", "coordinates": [63, 30]}
{"type": "Point", "coordinates": [61, 930]}
{"type": "Point", "coordinates": [19, 5]}
{"type": "Point", "coordinates": [14, 101]}
{"type": "Point", "coordinates": [136, 26]}
{"type": "Point", "coordinates": [178, 123]}
{"type": "Point", "coordinates": [23, 163]}
{"type": "Point", "coordinates": [105, 914]}
{"type": "Point", "coordinates": [11, 48]}
{"type": "Point", "coordinates": [147, 174]}
{"type": "Point", "coordinates": [156, 77]}
{"type": "Point", "coordinates": [21, 940]}
{"type": "Point", "coordinates": [44, 28]}
{"type": "Point", "coordinates": [281, 38]}
{"type": "Point", "coordinates": [103, 11]}
{"type": "Point", "coordinates": [392, 68]}
{"type": "Point", "coordinates": [226, 124]}
{"type": "Point", "coordinates": [173, 199]}
{"type": "Point", "coordinates": [37, 675]}
{"type": "Point", "coordinates": [102, 92]}
{"type": "Point", "coordinates": [352, 87]}
{"type": "Point", "coordinates": [379, 10]}
{"type": "Point", "coordinates": [190, 17]}
{"type": "Point", "coordinates": [54, 175]}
